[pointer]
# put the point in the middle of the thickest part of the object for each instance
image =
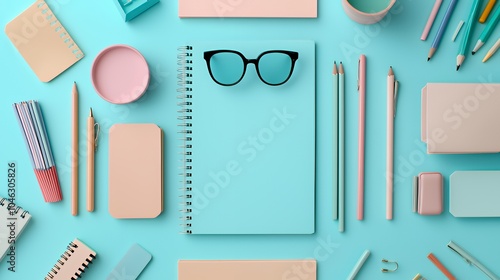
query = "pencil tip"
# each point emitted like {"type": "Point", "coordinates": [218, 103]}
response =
{"type": "Point", "coordinates": [473, 52]}
{"type": "Point", "coordinates": [428, 58]}
{"type": "Point", "coordinates": [458, 67]}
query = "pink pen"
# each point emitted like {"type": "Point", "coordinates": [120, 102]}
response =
{"type": "Point", "coordinates": [361, 142]}
{"type": "Point", "coordinates": [431, 19]}
{"type": "Point", "coordinates": [392, 87]}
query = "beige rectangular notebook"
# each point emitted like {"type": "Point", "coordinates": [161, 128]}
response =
{"type": "Point", "coordinates": [253, 8]}
{"type": "Point", "coordinates": [135, 171]}
{"type": "Point", "coordinates": [247, 270]}
{"type": "Point", "coordinates": [460, 118]}
{"type": "Point", "coordinates": [43, 42]}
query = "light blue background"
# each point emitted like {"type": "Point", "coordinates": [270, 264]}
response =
{"type": "Point", "coordinates": [408, 239]}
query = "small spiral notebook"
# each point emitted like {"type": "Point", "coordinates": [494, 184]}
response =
{"type": "Point", "coordinates": [43, 42]}
{"type": "Point", "coordinates": [248, 149]}
{"type": "Point", "coordinates": [72, 263]}
{"type": "Point", "coordinates": [14, 218]}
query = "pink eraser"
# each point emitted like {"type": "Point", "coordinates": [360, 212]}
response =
{"type": "Point", "coordinates": [430, 193]}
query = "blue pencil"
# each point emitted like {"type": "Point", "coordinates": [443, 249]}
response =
{"type": "Point", "coordinates": [442, 28]}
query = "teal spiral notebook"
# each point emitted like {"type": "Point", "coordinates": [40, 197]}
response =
{"type": "Point", "coordinates": [248, 150]}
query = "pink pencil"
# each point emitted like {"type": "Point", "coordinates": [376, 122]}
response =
{"type": "Point", "coordinates": [431, 19]}
{"type": "Point", "coordinates": [361, 139]}
{"type": "Point", "coordinates": [391, 114]}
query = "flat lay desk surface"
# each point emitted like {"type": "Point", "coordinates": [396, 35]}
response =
{"type": "Point", "coordinates": [395, 41]}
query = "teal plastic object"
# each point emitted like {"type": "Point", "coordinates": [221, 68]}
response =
{"type": "Point", "coordinates": [129, 9]}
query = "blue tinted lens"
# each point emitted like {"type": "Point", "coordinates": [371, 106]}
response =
{"type": "Point", "coordinates": [227, 67]}
{"type": "Point", "coordinates": [275, 68]}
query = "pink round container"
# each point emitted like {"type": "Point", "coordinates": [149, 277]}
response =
{"type": "Point", "coordinates": [120, 74]}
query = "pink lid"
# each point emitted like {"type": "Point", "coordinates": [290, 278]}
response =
{"type": "Point", "coordinates": [120, 74]}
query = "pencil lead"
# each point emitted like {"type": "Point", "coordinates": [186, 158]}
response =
{"type": "Point", "coordinates": [473, 52]}
{"type": "Point", "coordinates": [428, 58]}
{"type": "Point", "coordinates": [458, 67]}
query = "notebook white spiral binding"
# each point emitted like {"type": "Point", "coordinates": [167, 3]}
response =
{"type": "Point", "coordinates": [184, 76]}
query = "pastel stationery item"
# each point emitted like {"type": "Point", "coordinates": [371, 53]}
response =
{"type": "Point", "coordinates": [130, 9]}
{"type": "Point", "coordinates": [74, 151]}
{"type": "Point", "coordinates": [335, 147]}
{"type": "Point", "coordinates": [442, 28]}
{"type": "Point", "coordinates": [73, 262]}
{"type": "Point", "coordinates": [245, 146]}
{"type": "Point", "coordinates": [131, 265]}
{"type": "Point", "coordinates": [428, 193]}
{"type": "Point", "coordinates": [471, 260]}
{"type": "Point", "coordinates": [487, 11]}
{"type": "Point", "coordinates": [361, 135]}
{"type": "Point", "coordinates": [392, 94]}
{"type": "Point", "coordinates": [43, 42]}
{"type": "Point", "coordinates": [457, 30]}
{"type": "Point", "coordinates": [92, 135]}
{"type": "Point", "coordinates": [475, 194]}
{"type": "Point", "coordinates": [492, 51]}
{"type": "Point", "coordinates": [246, 269]}
{"type": "Point", "coordinates": [120, 74]}
{"type": "Point", "coordinates": [135, 169]}
{"type": "Point", "coordinates": [466, 39]}
{"type": "Point", "coordinates": [15, 220]}
{"type": "Point", "coordinates": [253, 9]}
{"type": "Point", "coordinates": [456, 118]}
{"type": "Point", "coordinates": [440, 266]}
{"type": "Point", "coordinates": [490, 26]}
{"type": "Point", "coordinates": [367, 12]}
{"type": "Point", "coordinates": [32, 125]}
{"type": "Point", "coordinates": [341, 153]}
{"type": "Point", "coordinates": [359, 265]}
{"type": "Point", "coordinates": [430, 20]}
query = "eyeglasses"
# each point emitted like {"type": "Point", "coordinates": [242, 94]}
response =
{"type": "Point", "coordinates": [227, 67]}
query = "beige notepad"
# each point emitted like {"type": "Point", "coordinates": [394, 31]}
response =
{"type": "Point", "coordinates": [247, 270]}
{"type": "Point", "coordinates": [72, 263]}
{"type": "Point", "coordinates": [135, 171]}
{"type": "Point", "coordinates": [253, 8]}
{"type": "Point", "coordinates": [43, 42]}
{"type": "Point", "coordinates": [459, 118]}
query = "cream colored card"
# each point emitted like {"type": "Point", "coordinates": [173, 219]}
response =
{"type": "Point", "coordinates": [135, 171]}
{"type": "Point", "coordinates": [43, 42]}
{"type": "Point", "coordinates": [247, 270]}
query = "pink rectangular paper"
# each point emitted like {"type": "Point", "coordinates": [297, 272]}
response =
{"type": "Point", "coordinates": [249, 8]}
{"type": "Point", "coordinates": [247, 270]}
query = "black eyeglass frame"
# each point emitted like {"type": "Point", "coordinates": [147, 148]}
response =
{"type": "Point", "coordinates": [208, 55]}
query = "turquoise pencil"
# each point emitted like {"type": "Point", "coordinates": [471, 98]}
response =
{"type": "Point", "coordinates": [465, 41]}
{"type": "Point", "coordinates": [487, 30]}
{"type": "Point", "coordinates": [335, 143]}
{"type": "Point", "coordinates": [341, 149]}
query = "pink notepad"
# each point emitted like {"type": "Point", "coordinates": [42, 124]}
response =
{"type": "Point", "coordinates": [247, 270]}
{"type": "Point", "coordinates": [135, 171]}
{"type": "Point", "coordinates": [459, 118]}
{"type": "Point", "coordinates": [253, 8]}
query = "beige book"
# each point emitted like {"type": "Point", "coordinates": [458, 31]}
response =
{"type": "Point", "coordinates": [135, 171]}
{"type": "Point", "coordinates": [43, 42]}
{"type": "Point", "coordinates": [247, 270]}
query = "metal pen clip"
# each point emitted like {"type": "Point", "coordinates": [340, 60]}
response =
{"type": "Point", "coordinates": [396, 87]}
{"type": "Point", "coordinates": [452, 245]}
{"type": "Point", "coordinates": [97, 130]}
